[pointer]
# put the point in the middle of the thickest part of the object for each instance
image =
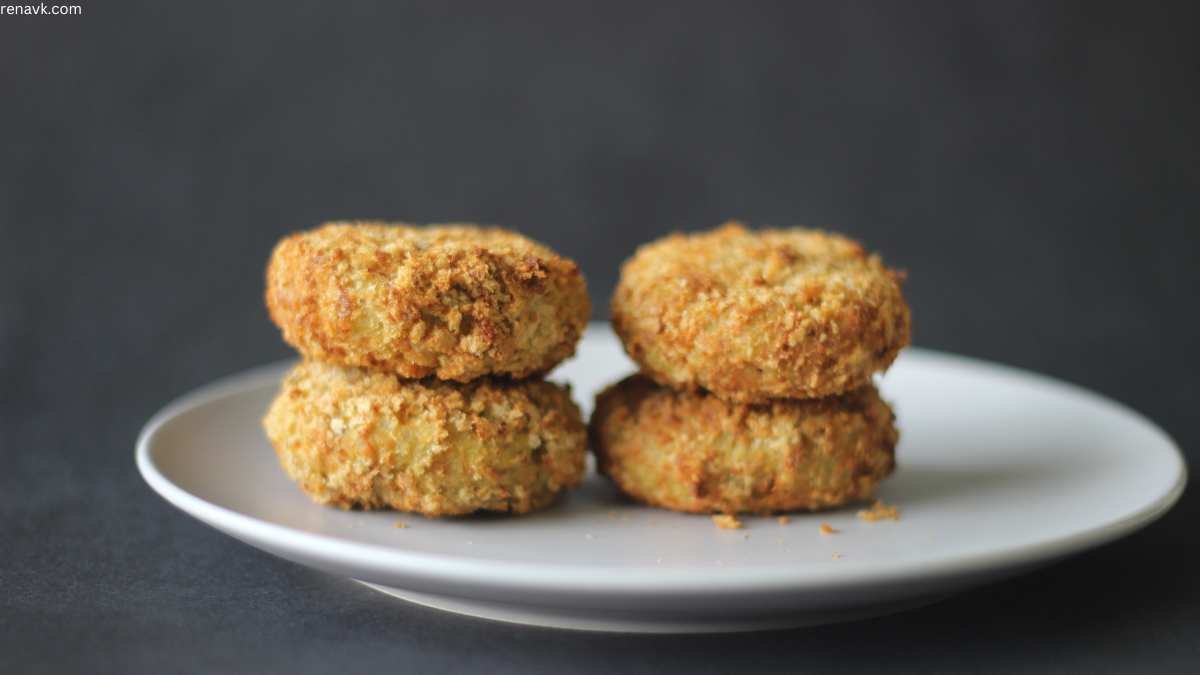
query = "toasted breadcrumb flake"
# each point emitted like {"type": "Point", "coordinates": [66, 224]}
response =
{"type": "Point", "coordinates": [879, 511]}
{"type": "Point", "coordinates": [826, 528]}
{"type": "Point", "coordinates": [783, 520]}
{"type": "Point", "coordinates": [400, 525]}
{"type": "Point", "coordinates": [727, 521]}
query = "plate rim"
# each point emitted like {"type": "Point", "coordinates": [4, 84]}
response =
{"type": "Point", "coordinates": [636, 580]}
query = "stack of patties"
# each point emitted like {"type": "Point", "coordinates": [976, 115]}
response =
{"type": "Point", "coordinates": [757, 350]}
{"type": "Point", "coordinates": [420, 388]}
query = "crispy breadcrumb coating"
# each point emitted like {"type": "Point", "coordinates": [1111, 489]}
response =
{"type": "Point", "coordinates": [695, 452]}
{"type": "Point", "coordinates": [360, 439]}
{"type": "Point", "coordinates": [452, 301]}
{"type": "Point", "coordinates": [757, 315]}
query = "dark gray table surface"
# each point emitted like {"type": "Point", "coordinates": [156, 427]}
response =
{"type": "Point", "coordinates": [1033, 166]}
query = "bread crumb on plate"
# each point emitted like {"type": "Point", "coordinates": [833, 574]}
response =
{"type": "Point", "coordinates": [727, 521]}
{"type": "Point", "coordinates": [879, 511]}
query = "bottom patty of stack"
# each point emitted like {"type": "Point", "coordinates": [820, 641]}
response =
{"type": "Point", "coordinates": [362, 439]}
{"type": "Point", "coordinates": [692, 451]}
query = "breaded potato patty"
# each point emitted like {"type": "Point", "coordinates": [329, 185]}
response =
{"type": "Point", "coordinates": [753, 316]}
{"type": "Point", "coordinates": [453, 301]}
{"type": "Point", "coordinates": [692, 451]}
{"type": "Point", "coordinates": [360, 439]}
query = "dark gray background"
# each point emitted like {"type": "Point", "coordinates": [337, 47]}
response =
{"type": "Point", "coordinates": [1033, 165]}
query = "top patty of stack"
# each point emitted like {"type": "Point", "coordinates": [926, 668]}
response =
{"type": "Point", "coordinates": [759, 315]}
{"type": "Point", "coordinates": [454, 301]}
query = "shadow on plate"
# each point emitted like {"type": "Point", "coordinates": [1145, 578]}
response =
{"type": "Point", "coordinates": [914, 484]}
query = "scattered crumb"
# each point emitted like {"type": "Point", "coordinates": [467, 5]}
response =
{"type": "Point", "coordinates": [727, 521]}
{"type": "Point", "coordinates": [784, 520]}
{"type": "Point", "coordinates": [400, 525]}
{"type": "Point", "coordinates": [879, 511]}
{"type": "Point", "coordinates": [836, 556]}
{"type": "Point", "coordinates": [826, 528]}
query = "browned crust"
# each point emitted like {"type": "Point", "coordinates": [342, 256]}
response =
{"type": "Point", "coordinates": [695, 452]}
{"type": "Point", "coordinates": [758, 315]}
{"type": "Point", "coordinates": [359, 439]}
{"type": "Point", "coordinates": [455, 302]}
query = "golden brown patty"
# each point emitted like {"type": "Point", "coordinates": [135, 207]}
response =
{"type": "Point", "coordinates": [695, 452]}
{"type": "Point", "coordinates": [453, 301]}
{"type": "Point", "coordinates": [752, 316]}
{"type": "Point", "coordinates": [355, 438]}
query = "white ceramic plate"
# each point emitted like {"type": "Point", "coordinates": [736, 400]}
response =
{"type": "Point", "coordinates": [999, 471]}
